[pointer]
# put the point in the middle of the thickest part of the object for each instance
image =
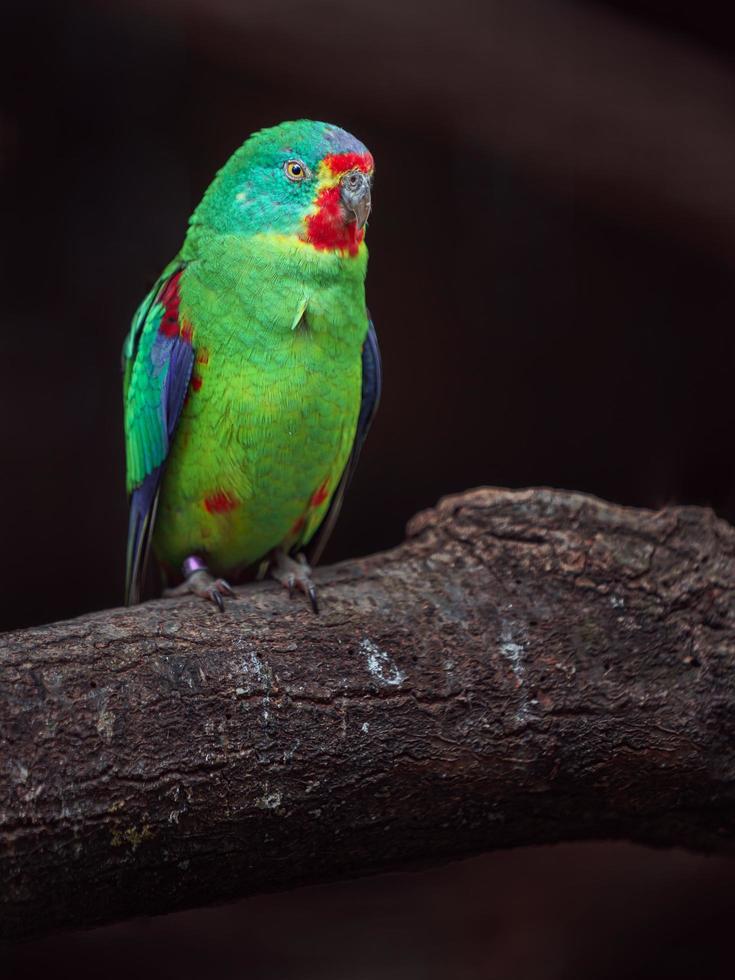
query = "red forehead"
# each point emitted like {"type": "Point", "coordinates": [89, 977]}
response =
{"type": "Point", "coordinates": [340, 163]}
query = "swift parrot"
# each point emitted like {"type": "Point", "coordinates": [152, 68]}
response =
{"type": "Point", "coordinates": [252, 369]}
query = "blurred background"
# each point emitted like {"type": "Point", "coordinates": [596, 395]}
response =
{"type": "Point", "coordinates": [551, 276]}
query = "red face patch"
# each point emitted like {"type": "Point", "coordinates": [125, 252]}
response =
{"type": "Point", "coordinates": [340, 163]}
{"type": "Point", "coordinates": [331, 228]}
{"type": "Point", "coordinates": [327, 229]}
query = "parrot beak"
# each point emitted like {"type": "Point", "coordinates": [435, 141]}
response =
{"type": "Point", "coordinates": [355, 195]}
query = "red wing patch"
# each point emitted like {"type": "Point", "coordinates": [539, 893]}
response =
{"type": "Point", "coordinates": [169, 299]}
{"type": "Point", "coordinates": [171, 325]}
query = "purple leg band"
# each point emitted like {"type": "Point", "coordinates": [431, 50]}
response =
{"type": "Point", "coordinates": [192, 564]}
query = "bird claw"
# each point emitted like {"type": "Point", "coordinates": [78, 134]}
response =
{"type": "Point", "coordinates": [311, 592]}
{"type": "Point", "coordinates": [294, 574]}
{"type": "Point", "coordinates": [224, 588]}
{"type": "Point", "coordinates": [201, 583]}
{"type": "Point", "coordinates": [216, 597]}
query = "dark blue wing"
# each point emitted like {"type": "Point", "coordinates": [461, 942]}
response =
{"type": "Point", "coordinates": [158, 359]}
{"type": "Point", "coordinates": [372, 382]}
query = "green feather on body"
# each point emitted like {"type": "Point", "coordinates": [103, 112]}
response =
{"type": "Point", "coordinates": [265, 309]}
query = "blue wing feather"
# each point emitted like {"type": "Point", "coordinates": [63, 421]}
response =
{"type": "Point", "coordinates": [372, 384]}
{"type": "Point", "coordinates": [158, 369]}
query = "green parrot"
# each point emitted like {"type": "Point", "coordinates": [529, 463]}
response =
{"type": "Point", "coordinates": [252, 369]}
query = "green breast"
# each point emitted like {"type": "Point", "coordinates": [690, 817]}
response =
{"type": "Point", "coordinates": [271, 414]}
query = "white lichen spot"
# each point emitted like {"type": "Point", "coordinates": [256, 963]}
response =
{"type": "Point", "coordinates": [106, 722]}
{"type": "Point", "coordinates": [380, 664]}
{"type": "Point", "coordinates": [343, 719]}
{"type": "Point", "coordinates": [271, 799]}
{"type": "Point", "coordinates": [513, 649]}
{"type": "Point", "coordinates": [617, 602]}
{"type": "Point", "coordinates": [33, 793]}
{"type": "Point", "coordinates": [365, 728]}
{"type": "Point", "coordinates": [253, 665]}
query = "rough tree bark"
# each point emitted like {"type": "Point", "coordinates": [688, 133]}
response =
{"type": "Point", "coordinates": [529, 666]}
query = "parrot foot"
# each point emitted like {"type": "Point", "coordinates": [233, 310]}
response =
{"type": "Point", "coordinates": [293, 575]}
{"type": "Point", "coordinates": [199, 581]}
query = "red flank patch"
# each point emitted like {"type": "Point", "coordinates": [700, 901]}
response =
{"type": "Point", "coordinates": [220, 502]}
{"type": "Point", "coordinates": [320, 495]}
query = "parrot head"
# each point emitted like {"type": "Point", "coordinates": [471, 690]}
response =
{"type": "Point", "coordinates": [304, 180]}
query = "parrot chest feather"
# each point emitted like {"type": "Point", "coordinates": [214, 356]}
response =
{"type": "Point", "coordinates": [270, 419]}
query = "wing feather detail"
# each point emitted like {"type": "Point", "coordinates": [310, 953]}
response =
{"type": "Point", "coordinates": [372, 383]}
{"type": "Point", "coordinates": [158, 359]}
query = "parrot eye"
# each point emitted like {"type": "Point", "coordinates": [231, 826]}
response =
{"type": "Point", "coordinates": [295, 170]}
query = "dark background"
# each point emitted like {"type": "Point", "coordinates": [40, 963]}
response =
{"type": "Point", "coordinates": [551, 276]}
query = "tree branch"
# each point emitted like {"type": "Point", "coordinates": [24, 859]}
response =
{"type": "Point", "coordinates": [529, 666]}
